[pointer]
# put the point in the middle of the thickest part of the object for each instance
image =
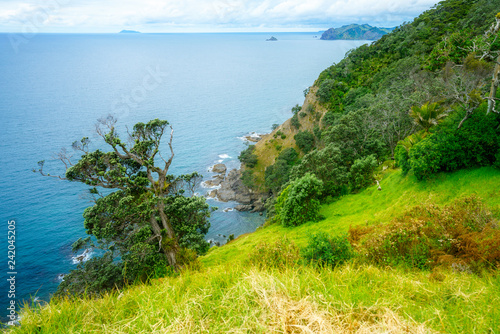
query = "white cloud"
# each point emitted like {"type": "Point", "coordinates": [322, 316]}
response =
{"type": "Point", "coordinates": [222, 15]}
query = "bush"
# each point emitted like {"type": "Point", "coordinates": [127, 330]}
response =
{"type": "Point", "coordinates": [475, 144]}
{"type": "Point", "coordinates": [305, 141]}
{"type": "Point", "coordinates": [278, 174]}
{"type": "Point", "coordinates": [296, 109]}
{"type": "Point", "coordinates": [281, 254]}
{"type": "Point", "coordinates": [330, 167]}
{"type": "Point", "coordinates": [464, 234]}
{"type": "Point", "coordinates": [247, 178]}
{"type": "Point", "coordinates": [247, 156]}
{"type": "Point", "coordinates": [93, 277]}
{"type": "Point", "coordinates": [325, 91]}
{"type": "Point", "coordinates": [327, 250]}
{"type": "Point", "coordinates": [294, 121]}
{"type": "Point", "coordinates": [361, 172]}
{"type": "Point", "coordinates": [402, 159]}
{"type": "Point", "coordinates": [298, 203]}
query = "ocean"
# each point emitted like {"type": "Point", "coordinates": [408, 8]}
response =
{"type": "Point", "coordinates": [213, 89]}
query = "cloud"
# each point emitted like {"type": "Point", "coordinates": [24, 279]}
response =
{"type": "Point", "coordinates": [155, 15]}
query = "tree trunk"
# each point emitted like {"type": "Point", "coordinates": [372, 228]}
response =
{"type": "Point", "coordinates": [172, 250]}
{"type": "Point", "coordinates": [494, 87]}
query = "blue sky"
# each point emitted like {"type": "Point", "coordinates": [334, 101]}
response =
{"type": "Point", "coordinates": [78, 16]}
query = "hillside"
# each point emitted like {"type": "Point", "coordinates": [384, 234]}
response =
{"type": "Point", "coordinates": [226, 294]}
{"type": "Point", "coordinates": [383, 205]}
{"type": "Point", "coordinates": [355, 32]}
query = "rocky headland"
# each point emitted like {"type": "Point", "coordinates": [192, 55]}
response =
{"type": "Point", "coordinates": [230, 188]}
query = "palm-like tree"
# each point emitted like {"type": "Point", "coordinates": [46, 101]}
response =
{"type": "Point", "coordinates": [428, 115]}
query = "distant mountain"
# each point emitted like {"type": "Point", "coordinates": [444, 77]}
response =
{"type": "Point", "coordinates": [355, 31]}
{"type": "Point", "coordinates": [129, 32]}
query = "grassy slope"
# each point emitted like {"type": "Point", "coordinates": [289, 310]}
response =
{"type": "Point", "coordinates": [229, 296]}
{"type": "Point", "coordinates": [398, 194]}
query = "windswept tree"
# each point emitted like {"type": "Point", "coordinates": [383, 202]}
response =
{"type": "Point", "coordinates": [147, 220]}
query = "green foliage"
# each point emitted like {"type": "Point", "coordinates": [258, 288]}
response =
{"type": "Point", "coordinates": [281, 254]}
{"type": "Point", "coordinates": [93, 277]}
{"type": "Point", "coordinates": [305, 141]}
{"type": "Point", "coordinates": [302, 114]}
{"type": "Point", "coordinates": [325, 91]}
{"type": "Point", "coordinates": [326, 250]}
{"type": "Point", "coordinates": [449, 149]}
{"type": "Point", "coordinates": [452, 48]}
{"type": "Point", "coordinates": [299, 203]}
{"type": "Point", "coordinates": [275, 126]}
{"type": "Point", "coordinates": [329, 165]}
{"type": "Point", "coordinates": [330, 118]}
{"type": "Point", "coordinates": [296, 109]}
{"type": "Point", "coordinates": [248, 178]}
{"type": "Point", "coordinates": [142, 225]}
{"type": "Point", "coordinates": [295, 121]}
{"type": "Point", "coordinates": [247, 156]}
{"type": "Point", "coordinates": [317, 132]}
{"type": "Point", "coordinates": [356, 138]}
{"type": "Point", "coordinates": [402, 159]}
{"type": "Point", "coordinates": [427, 115]}
{"type": "Point", "coordinates": [361, 172]}
{"type": "Point", "coordinates": [278, 174]}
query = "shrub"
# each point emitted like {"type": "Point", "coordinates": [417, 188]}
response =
{"type": "Point", "coordinates": [402, 159]}
{"type": "Point", "coordinates": [296, 109]}
{"type": "Point", "coordinates": [305, 141]}
{"type": "Point", "coordinates": [274, 126]}
{"type": "Point", "coordinates": [325, 90]}
{"type": "Point", "coordinates": [298, 203]}
{"type": "Point", "coordinates": [361, 172]}
{"type": "Point", "coordinates": [464, 234]}
{"type": "Point", "coordinates": [302, 114]}
{"type": "Point", "coordinates": [326, 250]}
{"type": "Point", "coordinates": [330, 167]}
{"type": "Point", "coordinates": [279, 173]}
{"type": "Point", "coordinates": [247, 156]}
{"type": "Point", "coordinates": [247, 178]}
{"type": "Point", "coordinates": [281, 254]}
{"type": "Point", "coordinates": [475, 144]}
{"type": "Point", "coordinates": [294, 121]}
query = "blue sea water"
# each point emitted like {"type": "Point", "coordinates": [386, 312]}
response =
{"type": "Point", "coordinates": [212, 88]}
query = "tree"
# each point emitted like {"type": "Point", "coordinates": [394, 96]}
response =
{"type": "Point", "coordinates": [298, 203]}
{"type": "Point", "coordinates": [247, 156]}
{"type": "Point", "coordinates": [305, 141]}
{"type": "Point", "coordinates": [427, 115]}
{"type": "Point", "coordinates": [147, 219]}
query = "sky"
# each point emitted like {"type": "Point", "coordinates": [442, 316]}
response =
{"type": "Point", "coordinates": [107, 16]}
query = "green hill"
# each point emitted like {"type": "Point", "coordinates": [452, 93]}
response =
{"type": "Point", "coordinates": [355, 31]}
{"type": "Point", "coordinates": [408, 249]}
{"type": "Point", "coordinates": [226, 294]}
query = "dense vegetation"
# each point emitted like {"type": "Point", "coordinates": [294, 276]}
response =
{"type": "Point", "coordinates": [421, 95]}
{"type": "Point", "coordinates": [419, 98]}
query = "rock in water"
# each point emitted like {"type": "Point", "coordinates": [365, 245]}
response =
{"type": "Point", "coordinates": [219, 169]}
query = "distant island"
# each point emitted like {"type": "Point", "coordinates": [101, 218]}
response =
{"type": "Point", "coordinates": [355, 31]}
{"type": "Point", "coordinates": [272, 39]}
{"type": "Point", "coordinates": [129, 32]}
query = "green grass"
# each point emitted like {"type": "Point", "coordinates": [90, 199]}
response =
{"type": "Point", "coordinates": [235, 299]}
{"type": "Point", "coordinates": [230, 296]}
{"type": "Point", "coordinates": [399, 193]}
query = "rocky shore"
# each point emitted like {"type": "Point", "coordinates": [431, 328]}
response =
{"type": "Point", "coordinates": [230, 188]}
